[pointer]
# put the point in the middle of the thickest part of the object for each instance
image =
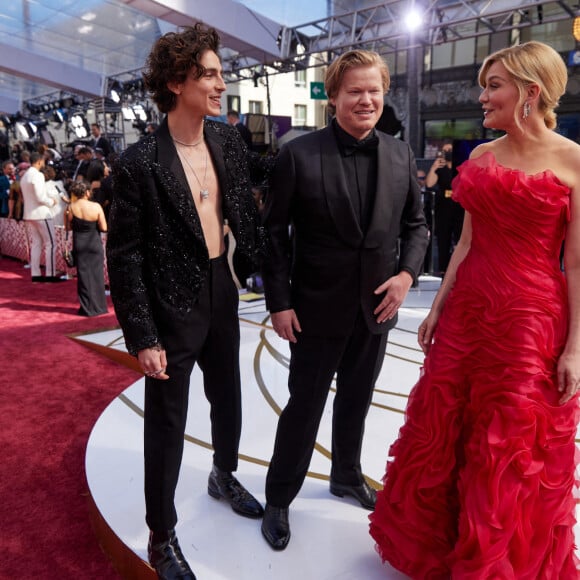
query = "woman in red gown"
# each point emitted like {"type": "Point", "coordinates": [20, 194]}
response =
{"type": "Point", "coordinates": [481, 479]}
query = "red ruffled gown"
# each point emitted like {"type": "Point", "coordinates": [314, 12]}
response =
{"type": "Point", "coordinates": [483, 473]}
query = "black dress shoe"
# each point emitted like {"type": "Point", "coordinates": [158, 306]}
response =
{"type": "Point", "coordinates": [166, 557]}
{"type": "Point", "coordinates": [363, 493]}
{"type": "Point", "coordinates": [275, 527]}
{"type": "Point", "coordinates": [222, 484]}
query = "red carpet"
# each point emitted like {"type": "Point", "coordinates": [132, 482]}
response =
{"type": "Point", "coordinates": [53, 391]}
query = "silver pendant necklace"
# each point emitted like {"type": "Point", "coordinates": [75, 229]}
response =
{"type": "Point", "coordinates": [187, 144]}
{"type": "Point", "coordinates": [203, 192]}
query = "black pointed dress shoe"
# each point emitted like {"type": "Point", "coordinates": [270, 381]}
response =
{"type": "Point", "coordinates": [363, 493]}
{"type": "Point", "coordinates": [166, 557]}
{"type": "Point", "coordinates": [275, 527]}
{"type": "Point", "coordinates": [222, 484]}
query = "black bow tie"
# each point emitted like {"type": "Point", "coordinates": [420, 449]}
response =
{"type": "Point", "coordinates": [370, 143]}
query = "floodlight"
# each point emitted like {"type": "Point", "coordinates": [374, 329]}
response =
{"type": "Point", "coordinates": [413, 19]}
{"type": "Point", "coordinates": [128, 114]}
{"type": "Point", "coordinates": [115, 91]}
{"type": "Point", "coordinates": [140, 112]}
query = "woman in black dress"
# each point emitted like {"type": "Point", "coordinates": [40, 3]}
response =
{"type": "Point", "coordinates": [87, 221]}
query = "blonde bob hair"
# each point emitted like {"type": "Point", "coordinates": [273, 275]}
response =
{"type": "Point", "coordinates": [532, 62]}
{"type": "Point", "coordinates": [354, 59]}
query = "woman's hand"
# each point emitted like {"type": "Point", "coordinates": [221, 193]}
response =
{"type": "Point", "coordinates": [426, 331]}
{"type": "Point", "coordinates": [568, 376]}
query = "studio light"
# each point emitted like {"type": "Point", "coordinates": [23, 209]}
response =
{"type": "Point", "coordinates": [413, 20]}
{"type": "Point", "coordinates": [140, 112]}
{"type": "Point", "coordinates": [25, 130]}
{"type": "Point", "coordinates": [115, 91]}
{"type": "Point", "coordinates": [79, 125]}
{"type": "Point", "coordinates": [128, 114]}
{"type": "Point", "coordinates": [59, 116]}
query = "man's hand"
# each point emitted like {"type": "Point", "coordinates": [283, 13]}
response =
{"type": "Point", "coordinates": [395, 289]}
{"type": "Point", "coordinates": [285, 324]}
{"type": "Point", "coordinates": [153, 362]}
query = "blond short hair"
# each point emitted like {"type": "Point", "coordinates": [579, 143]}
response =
{"type": "Point", "coordinates": [532, 62]}
{"type": "Point", "coordinates": [354, 59]}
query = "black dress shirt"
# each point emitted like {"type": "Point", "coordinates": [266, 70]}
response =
{"type": "Point", "coordinates": [359, 161]}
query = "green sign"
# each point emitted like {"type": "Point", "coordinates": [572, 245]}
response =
{"type": "Point", "coordinates": [317, 91]}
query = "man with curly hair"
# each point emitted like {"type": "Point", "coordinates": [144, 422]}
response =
{"type": "Point", "coordinates": [170, 282]}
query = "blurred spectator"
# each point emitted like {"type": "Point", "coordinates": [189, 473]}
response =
{"type": "Point", "coordinates": [55, 189]}
{"type": "Point", "coordinates": [6, 180]}
{"type": "Point", "coordinates": [100, 142]}
{"type": "Point", "coordinates": [428, 195]}
{"type": "Point", "coordinates": [39, 222]}
{"type": "Point", "coordinates": [100, 183]}
{"type": "Point", "coordinates": [234, 120]}
{"type": "Point", "coordinates": [15, 203]}
{"type": "Point", "coordinates": [83, 155]}
{"type": "Point", "coordinates": [87, 220]}
{"type": "Point", "coordinates": [448, 213]}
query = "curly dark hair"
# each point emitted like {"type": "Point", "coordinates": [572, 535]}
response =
{"type": "Point", "coordinates": [172, 58]}
{"type": "Point", "coordinates": [78, 189]}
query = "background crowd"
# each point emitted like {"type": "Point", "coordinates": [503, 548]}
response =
{"type": "Point", "coordinates": [40, 187]}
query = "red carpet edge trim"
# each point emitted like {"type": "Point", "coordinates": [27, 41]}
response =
{"type": "Point", "coordinates": [126, 562]}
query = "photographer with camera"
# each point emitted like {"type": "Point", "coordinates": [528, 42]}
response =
{"type": "Point", "coordinates": [448, 213]}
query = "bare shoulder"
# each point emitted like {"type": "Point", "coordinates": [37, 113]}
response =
{"type": "Point", "coordinates": [566, 161]}
{"type": "Point", "coordinates": [488, 147]}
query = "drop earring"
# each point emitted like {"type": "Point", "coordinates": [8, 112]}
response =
{"type": "Point", "coordinates": [526, 112]}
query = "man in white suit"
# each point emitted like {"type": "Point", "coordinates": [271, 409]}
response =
{"type": "Point", "coordinates": [39, 222]}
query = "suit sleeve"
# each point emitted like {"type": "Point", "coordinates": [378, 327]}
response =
{"type": "Point", "coordinates": [126, 262]}
{"type": "Point", "coordinates": [41, 191]}
{"type": "Point", "coordinates": [277, 219]}
{"type": "Point", "coordinates": [413, 229]}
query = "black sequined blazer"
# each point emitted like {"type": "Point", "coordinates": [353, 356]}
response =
{"type": "Point", "coordinates": [156, 253]}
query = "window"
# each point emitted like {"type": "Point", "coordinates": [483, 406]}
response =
{"type": "Point", "coordinates": [299, 119]}
{"type": "Point", "coordinates": [234, 103]}
{"type": "Point", "coordinates": [456, 53]}
{"type": "Point", "coordinates": [255, 107]}
{"type": "Point", "coordinates": [300, 78]}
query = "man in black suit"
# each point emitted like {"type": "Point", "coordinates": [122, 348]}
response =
{"type": "Point", "coordinates": [335, 283]}
{"type": "Point", "coordinates": [173, 292]}
{"type": "Point", "coordinates": [100, 142]}
{"type": "Point", "coordinates": [83, 155]}
{"type": "Point", "coordinates": [234, 120]}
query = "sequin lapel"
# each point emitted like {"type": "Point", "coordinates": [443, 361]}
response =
{"type": "Point", "coordinates": [173, 181]}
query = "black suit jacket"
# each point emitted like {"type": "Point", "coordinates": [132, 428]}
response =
{"type": "Point", "coordinates": [156, 252]}
{"type": "Point", "coordinates": [328, 267]}
{"type": "Point", "coordinates": [103, 144]}
{"type": "Point", "coordinates": [245, 133]}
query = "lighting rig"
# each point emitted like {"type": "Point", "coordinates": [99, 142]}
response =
{"type": "Point", "coordinates": [128, 91]}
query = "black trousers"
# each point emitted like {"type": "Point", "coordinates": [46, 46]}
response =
{"type": "Point", "coordinates": [210, 336]}
{"type": "Point", "coordinates": [448, 225]}
{"type": "Point", "coordinates": [357, 360]}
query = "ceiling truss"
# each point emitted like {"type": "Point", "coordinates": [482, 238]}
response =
{"type": "Point", "coordinates": [382, 28]}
